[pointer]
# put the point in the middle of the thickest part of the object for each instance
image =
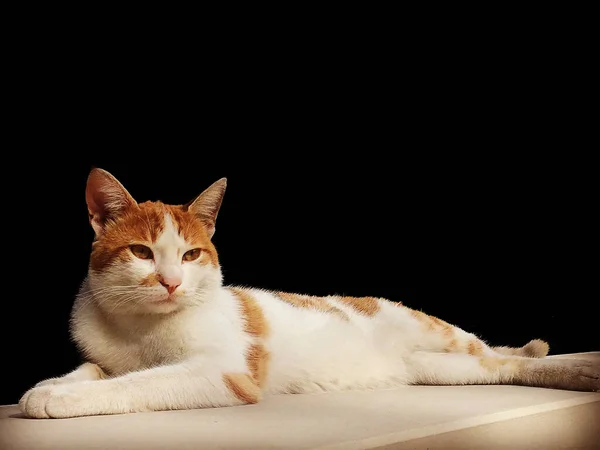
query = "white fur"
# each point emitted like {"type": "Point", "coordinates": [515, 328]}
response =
{"type": "Point", "coordinates": [168, 262]}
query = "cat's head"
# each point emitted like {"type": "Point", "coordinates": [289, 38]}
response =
{"type": "Point", "coordinates": [150, 257]}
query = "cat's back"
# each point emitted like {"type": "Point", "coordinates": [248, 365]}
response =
{"type": "Point", "coordinates": [293, 313]}
{"type": "Point", "coordinates": [287, 313]}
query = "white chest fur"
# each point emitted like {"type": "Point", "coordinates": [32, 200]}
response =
{"type": "Point", "coordinates": [124, 343]}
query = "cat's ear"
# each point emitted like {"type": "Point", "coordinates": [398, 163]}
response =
{"type": "Point", "coordinates": [206, 206]}
{"type": "Point", "coordinates": [106, 199]}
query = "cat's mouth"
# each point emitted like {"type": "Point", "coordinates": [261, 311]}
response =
{"type": "Point", "coordinates": [165, 305]}
{"type": "Point", "coordinates": [170, 299]}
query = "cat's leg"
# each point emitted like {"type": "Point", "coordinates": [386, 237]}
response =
{"type": "Point", "coordinates": [183, 386]}
{"type": "Point", "coordinates": [457, 369]}
{"type": "Point", "coordinates": [436, 335]}
{"type": "Point", "coordinates": [85, 372]}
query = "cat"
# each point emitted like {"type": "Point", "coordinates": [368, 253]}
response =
{"type": "Point", "coordinates": [160, 331]}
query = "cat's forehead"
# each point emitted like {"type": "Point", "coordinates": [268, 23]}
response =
{"type": "Point", "coordinates": [172, 234]}
{"type": "Point", "coordinates": [156, 222]}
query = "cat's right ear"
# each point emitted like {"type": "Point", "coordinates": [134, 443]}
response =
{"type": "Point", "coordinates": [106, 199]}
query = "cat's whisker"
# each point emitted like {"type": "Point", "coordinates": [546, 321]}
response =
{"type": "Point", "coordinates": [112, 289]}
{"type": "Point", "coordinates": [118, 297]}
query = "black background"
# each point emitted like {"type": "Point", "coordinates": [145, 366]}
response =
{"type": "Point", "coordinates": [448, 189]}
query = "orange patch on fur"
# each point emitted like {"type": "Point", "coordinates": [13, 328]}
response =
{"type": "Point", "coordinates": [475, 348]}
{"type": "Point", "coordinates": [301, 301]}
{"type": "Point", "coordinates": [424, 319]}
{"type": "Point", "coordinates": [150, 280]}
{"type": "Point", "coordinates": [419, 315]}
{"type": "Point", "coordinates": [368, 306]}
{"type": "Point", "coordinates": [312, 302]}
{"type": "Point", "coordinates": [445, 327]}
{"type": "Point", "coordinates": [448, 331]}
{"type": "Point", "coordinates": [452, 346]}
{"type": "Point", "coordinates": [255, 322]}
{"type": "Point", "coordinates": [432, 323]}
{"type": "Point", "coordinates": [242, 386]}
{"type": "Point", "coordinates": [257, 359]}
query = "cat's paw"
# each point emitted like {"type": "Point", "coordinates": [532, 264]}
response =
{"type": "Point", "coordinates": [586, 376]}
{"type": "Point", "coordinates": [57, 401]}
{"type": "Point", "coordinates": [574, 374]}
{"type": "Point", "coordinates": [33, 403]}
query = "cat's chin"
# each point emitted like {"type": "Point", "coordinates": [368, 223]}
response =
{"type": "Point", "coordinates": [165, 303]}
{"type": "Point", "coordinates": [166, 306]}
{"type": "Point", "coordinates": [150, 308]}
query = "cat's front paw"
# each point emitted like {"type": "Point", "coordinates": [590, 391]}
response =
{"type": "Point", "coordinates": [58, 401]}
{"type": "Point", "coordinates": [36, 408]}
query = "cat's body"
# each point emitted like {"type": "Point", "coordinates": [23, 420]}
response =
{"type": "Point", "coordinates": [306, 349]}
{"type": "Point", "coordinates": [160, 331]}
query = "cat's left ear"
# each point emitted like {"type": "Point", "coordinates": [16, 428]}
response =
{"type": "Point", "coordinates": [106, 199]}
{"type": "Point", "coordinates": [206, 206]}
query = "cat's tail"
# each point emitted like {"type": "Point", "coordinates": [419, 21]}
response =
{"type": "Point", "coordinates": [533, 349]}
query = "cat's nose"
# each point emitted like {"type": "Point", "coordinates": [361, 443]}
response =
{"type": "Point", "coordinates": [171, 285]}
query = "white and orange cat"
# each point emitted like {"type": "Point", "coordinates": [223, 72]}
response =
{"type": "Point", "coordinates": [160, 331]}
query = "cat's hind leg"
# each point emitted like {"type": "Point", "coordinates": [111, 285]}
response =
{"type": "Point", "coordinates": [461, 369]}
{"type": "Point", "coordinates": [430, 333]}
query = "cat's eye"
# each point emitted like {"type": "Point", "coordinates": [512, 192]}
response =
{"type": "Point", "coordinates": [141, 251]}
{"type": "Point", "coordinates": [192, 255]}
